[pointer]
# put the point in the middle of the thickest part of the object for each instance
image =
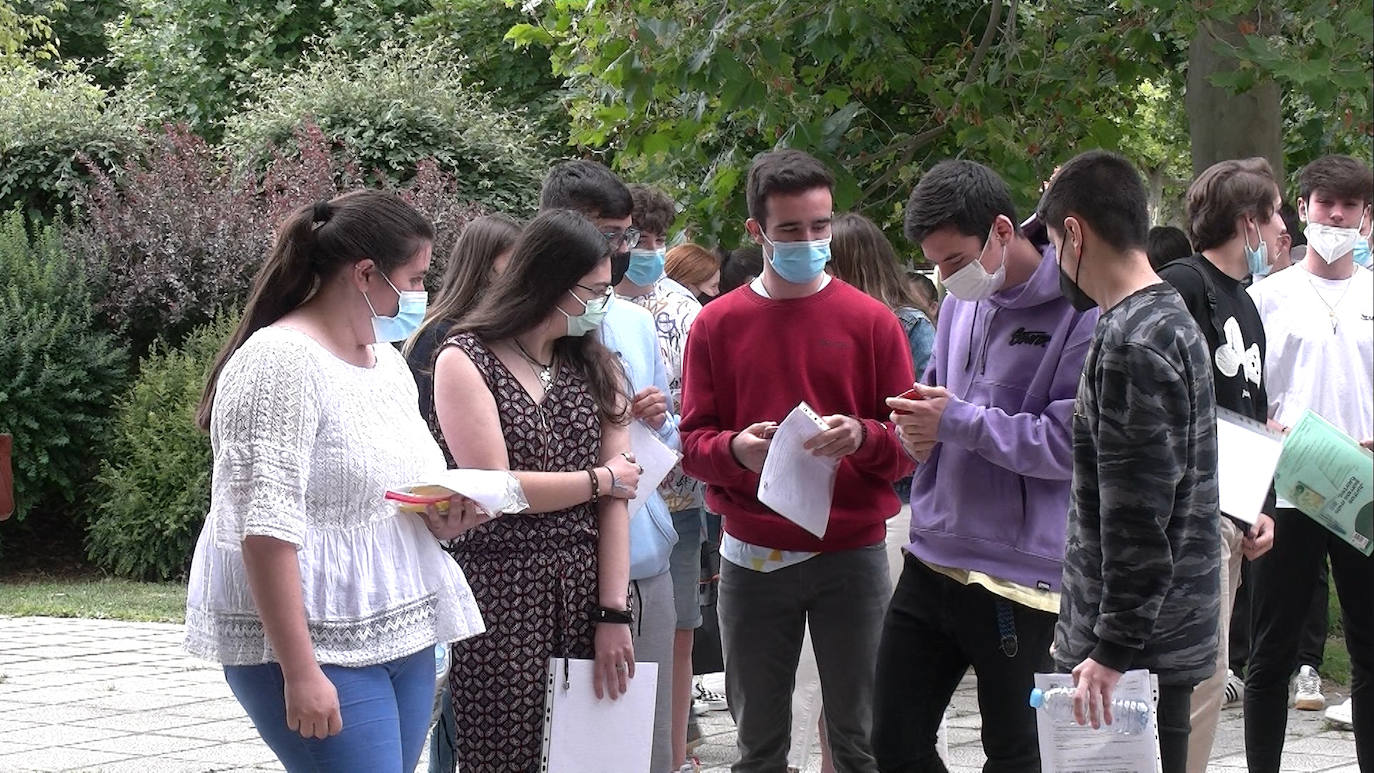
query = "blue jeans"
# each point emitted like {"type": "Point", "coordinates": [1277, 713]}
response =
{"type": "Point", "coordinates": [386, 711]}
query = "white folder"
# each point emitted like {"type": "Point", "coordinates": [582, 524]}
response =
{"type": "Point", "coordinates": [586, 735]}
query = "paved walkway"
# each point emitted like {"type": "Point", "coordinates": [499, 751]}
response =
{"type": "Point", "coordinates": [95, 695]}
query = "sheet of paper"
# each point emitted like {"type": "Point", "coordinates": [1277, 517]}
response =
{"type": "Point", "coordinates": [497, 491]}
{"type": "Point", "coordinates": [655, 457]}
{"type": "Point", "coordinates": [1067, 747]}
{"type": "Point", "coordinates": [586, 735]}
{"type": "Point", "coordinates": [1247, 453]}
{"type": "Point", "coordinates": [1327, 474]}
{"type": "Point", "coordinates": [797, 484]}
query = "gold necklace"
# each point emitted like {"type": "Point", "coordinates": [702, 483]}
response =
{"type": "Point", "coordinates": [544, 372]}
{"type": "Point", "coordinates": [1331, 307]}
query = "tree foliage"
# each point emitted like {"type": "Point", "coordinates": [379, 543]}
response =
{"type": "Point", "coordinates": [391, 108]}
{"type": "Point", "coordinates": [25, 36]}
{"type": "Point", "coordinates": [197, 58]}
{"type": "Point", "coordinates": [50, 118]}
{"type": "Point", "coordinates": [685, 92]}
{"type": "Point", "coordinates": [689, 91]}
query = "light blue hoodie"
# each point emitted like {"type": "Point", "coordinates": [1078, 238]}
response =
{"type": "Point", "coordinates": [628, 331]}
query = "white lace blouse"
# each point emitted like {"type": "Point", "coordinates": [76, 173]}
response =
{"type": "Point", "coordinates": [305, 446]}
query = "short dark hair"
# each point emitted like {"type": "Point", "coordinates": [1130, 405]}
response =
{"type": "Point", "coordinates": [653, 209]}
{"type": "Point", "coordinates": [1102, 189]}
{"type": "Point", "coordinates": [1339, 176]}
{"type": "Point", "coordinates": [1165, 243]}
{"type": "Point", "coordinates": [783, 171]}
{"type": "Point", "coordinates": [743, 264]}
{"type": "Point", "coordinates": [1224, 192]}
{"type": "Point", "coordinates": [963, 194]}
{"type": "Point", "coordinates": [1293, 224]}
{"type": "Point", "coordinates": [586, 187]}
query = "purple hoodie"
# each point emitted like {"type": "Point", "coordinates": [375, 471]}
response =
{"type": "Point", "coordinates": [994, 496]}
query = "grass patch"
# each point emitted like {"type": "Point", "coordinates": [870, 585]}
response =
{"type": "Point", "coordinates": [100, 598]}
{"type": "Point", "coordinates": [1336, 661]}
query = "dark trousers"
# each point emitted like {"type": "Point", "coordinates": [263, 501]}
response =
{"type": "Point", "coordinates": [1172, 717]}
{"type": "Point", "coordinates": [1312, 640]}
{"type": "Point", "coordinates": [841, 598]}
{"type": "Point", "coordinates": [1281, 592]}
{"type": "Point", "coordinates": [935, 630]}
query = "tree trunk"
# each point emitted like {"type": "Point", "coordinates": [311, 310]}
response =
{"type": "Point", "coordinates": [1223, 125]}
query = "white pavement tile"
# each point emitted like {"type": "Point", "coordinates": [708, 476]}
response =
{"type": "Point", "coordinates": [231, 755]}
{"type": "Point", "coordinates": [140, 722]}
{"type": "Point", "coordinates": [163, 764]}
{"type": "Point", "coordinates": [147, 744]}
{"type": "Point", "coordinates": [58, 758]}
{"type": "Point", "coordinates": [56, 735]}
{"type": "Point", "coordinates": [211, 709]}
{"type": "Point", "coordinates": [60, 714]}
{"type": "Point", "coordinates": [220, 731]}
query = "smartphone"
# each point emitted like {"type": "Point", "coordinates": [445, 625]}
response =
{"type": "Point", "coordinates": [910, 394]}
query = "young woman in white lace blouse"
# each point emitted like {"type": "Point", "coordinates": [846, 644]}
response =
{"type": "Point", "coordinates": [322, 601]}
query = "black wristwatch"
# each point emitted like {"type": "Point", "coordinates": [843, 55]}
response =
{"type": "Point", "coordinates": [614, 616]}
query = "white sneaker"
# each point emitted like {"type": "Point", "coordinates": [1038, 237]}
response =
{"type": "Point", "coordinates": [1235, 688]}
{"type": "Point", "coordinates": [1341, 715]}
{"type": "Point", "coordinates": [1307, 695]}
{"type": "Point", "coordinates": [710, 699]}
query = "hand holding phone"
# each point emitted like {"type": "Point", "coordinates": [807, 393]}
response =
{"type": "Point", "coordinates": [913, 393]}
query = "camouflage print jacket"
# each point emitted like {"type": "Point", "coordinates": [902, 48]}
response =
{"type": "Point", "coordinates": [1141, 567]}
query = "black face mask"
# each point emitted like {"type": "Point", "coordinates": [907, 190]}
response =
{"type": "Point", "coordinates": [1069, 287]}
{"type": "Point", "coordinates": [620, 263]}
{"type": "Point", "coordinates": [704, 299]}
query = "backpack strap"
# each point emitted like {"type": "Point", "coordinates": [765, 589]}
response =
{"type": "Point", "coordinates": [1208, 288]}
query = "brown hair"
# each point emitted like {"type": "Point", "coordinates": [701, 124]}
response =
{"type": "Point", "coordinates": [468, 273]}
{"type": "Point", "coordinates": [654, 211]}
{"type": "Point", "coordinates": [862, 256]}
{"type": "Point", "coordinates": [553, 253]}
{"type": "Point", "coordinates": [783, 171]}
{"type": "Point", "coordinates": [1225, 192]}
{"type": "Point", "coordinates": [1341, 176]}
{"type": "Point", "coordinates": [690, 264]}
{"type": "Point", "coordinates": [313, 244]}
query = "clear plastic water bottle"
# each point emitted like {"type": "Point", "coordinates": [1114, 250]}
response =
{"type": "Point", "coordinates": [1129, 717]}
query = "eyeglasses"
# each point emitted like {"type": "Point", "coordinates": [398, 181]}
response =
{"type": "Point", "coordinates": [608, 292]}
{"type": "Point", "coordinates": [630, 237]}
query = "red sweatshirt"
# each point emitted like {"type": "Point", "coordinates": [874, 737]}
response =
{"type": "Point", "coordinates": [751, 359]}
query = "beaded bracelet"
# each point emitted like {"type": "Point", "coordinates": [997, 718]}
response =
{"type": "Point", "coordinates": [596, 484]}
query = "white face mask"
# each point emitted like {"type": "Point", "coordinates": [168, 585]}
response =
{"type": "Point", "coordinates": [974, 283]}
{"type": "Point", "coordinates": [1330, 242]}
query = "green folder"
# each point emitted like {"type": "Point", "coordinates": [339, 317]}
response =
{"type": "Point", "coordinates": [1326, 474]}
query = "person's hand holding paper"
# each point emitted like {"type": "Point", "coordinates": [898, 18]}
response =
{"type": "Point", "coordinates": [797, 483]}
{"type": "Point", "coordinates": [843, 438]}
{"type": "Point", "coordinates": [750, 446]}
{"type": "Point", "coordinates": [458, 516]}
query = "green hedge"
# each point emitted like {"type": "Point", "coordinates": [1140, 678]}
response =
{"type": "Point", "coordinates": [154, 485]}
{"type": "Point", "coordinates": [58, 374]}
{"type": "Point", "coordinates": [393, 108]}
{"type": "Point", "coordinates": [50, 118]}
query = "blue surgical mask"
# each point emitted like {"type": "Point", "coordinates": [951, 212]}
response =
{"type": "Point", "coordinates": [409, 314]}
{"type": "Point", "coordinates": [1362, 254]}
{"type": "Point", "coordinates": [1256, 258]}
{"type": "Point", "coordinates": [646, 266]}
{"type": "Point", "coordinates": [799, 262]}
{"type": "Point", "coordinates": [593, 312]}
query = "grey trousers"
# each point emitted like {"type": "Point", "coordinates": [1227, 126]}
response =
{"type": "Point", "coordinates": [763, 619]}
{"type": "Point", "coordinates": [652, 635]}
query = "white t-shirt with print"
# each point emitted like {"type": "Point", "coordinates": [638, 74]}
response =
{"type": "Point", "coordinates": [1308, 365]}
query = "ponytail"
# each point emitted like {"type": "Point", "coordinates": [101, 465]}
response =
{"type": "Point", "coordinates": [284, 282]}
{"type": "Point", "coordinates": [312, 244]}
